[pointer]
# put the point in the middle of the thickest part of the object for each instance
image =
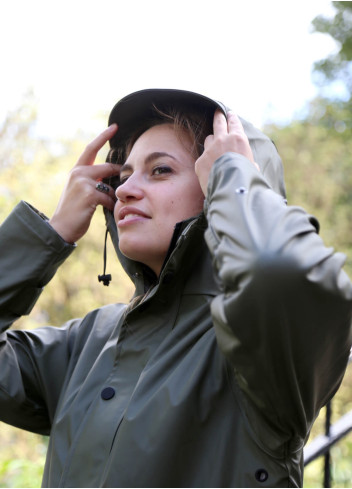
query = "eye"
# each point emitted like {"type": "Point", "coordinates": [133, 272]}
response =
{"type": "Point", "coordinates": [161, 170]}
{"type": "Point", "coordinates": [123, 178]}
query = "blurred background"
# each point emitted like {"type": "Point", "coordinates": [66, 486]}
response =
{"type": "Point", "coordinates": [284, 66]}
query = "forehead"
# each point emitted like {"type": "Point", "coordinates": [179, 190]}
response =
{"type": "Point", "coordinates": [162, 137]}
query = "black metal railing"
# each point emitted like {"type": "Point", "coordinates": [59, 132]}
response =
{"type": "Point", "coordinates": [321, 445]}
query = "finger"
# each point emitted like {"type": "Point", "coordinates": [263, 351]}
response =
{"type": "Point", "coordinates": [219, 124]}
{"type": "Point", "coordinates": [105, 196]}
{"type": "Point", "coordinates": [234, 124]}
{"type": "Point", "coordinates": [88, 177]}
{"type": "Point", "coordinates": [89, 154]}
{"type": "Point", "coordinates": [103, 187]}
{"type": "Point", "coordinates": [97, 172]}
{"type": "Point", "coordinates": [208, 141]}
{"type": "Point", "coordinates": [107, 202]}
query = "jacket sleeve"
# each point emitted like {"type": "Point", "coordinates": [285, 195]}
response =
{"type": "Point", "coordinates": [283, 319]}
{"type": "Point", "coordinates": [31, 252]}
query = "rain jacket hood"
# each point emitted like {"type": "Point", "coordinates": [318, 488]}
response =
{"type": "Point", "coordinates": [138, 106]}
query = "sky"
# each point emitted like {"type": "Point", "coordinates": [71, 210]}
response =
{"type": "Point", "coordinates": [80, 56]}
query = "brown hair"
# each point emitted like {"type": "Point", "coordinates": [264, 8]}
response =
{"type": "Point", "coordinates": [195, 123]}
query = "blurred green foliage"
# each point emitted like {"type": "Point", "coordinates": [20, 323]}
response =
{"type": "Point", "coordinates": [317, 156]}
{"type": "Point", "coordinates": [22, 457]}
{"type": "Point", "coordinates": [337, 66]}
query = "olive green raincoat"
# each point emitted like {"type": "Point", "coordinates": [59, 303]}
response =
{"type": "Point", "coordinates": [213, 379]}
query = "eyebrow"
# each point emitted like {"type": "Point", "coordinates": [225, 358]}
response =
{"type": "Point", "coordinates": [148, 159]}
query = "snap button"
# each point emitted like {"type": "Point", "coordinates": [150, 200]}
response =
{"type": "Point", "coordinates": [241, 190]}
{"type": "Point", "coordinates": [261, 475]}
{"type": "Point", "coordinates": [107, 393]}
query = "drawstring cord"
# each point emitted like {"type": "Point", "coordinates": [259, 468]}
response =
{"type": "Point", "coordinates": [105, 278]}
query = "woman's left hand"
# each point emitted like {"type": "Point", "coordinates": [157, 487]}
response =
{"type": "Point", "coordinates": [228, 136]}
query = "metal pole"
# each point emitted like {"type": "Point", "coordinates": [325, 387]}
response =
{"type": "Point", "coordinates": [327, 456]}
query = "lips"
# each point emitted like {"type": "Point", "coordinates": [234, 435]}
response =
{"type": "Point", "coordinates": [130, 216]}
{"type": "Point", "coordinates": [130, 213]}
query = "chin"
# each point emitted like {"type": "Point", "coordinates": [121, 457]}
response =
{"type": "Point", "coordinates": [133, 252]}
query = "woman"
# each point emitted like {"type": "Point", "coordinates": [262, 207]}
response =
{"type": "Point", "coordinates": [238, 332]}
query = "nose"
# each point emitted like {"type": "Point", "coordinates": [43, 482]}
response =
{"type": "Point", "coordinates": [130, 189]}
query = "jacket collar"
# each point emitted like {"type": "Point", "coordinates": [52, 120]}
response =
{"type": "Point", "coordinates": [179, 253]}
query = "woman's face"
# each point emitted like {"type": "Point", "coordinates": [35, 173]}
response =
{"type": "Point", "coordinates": [159, 188]}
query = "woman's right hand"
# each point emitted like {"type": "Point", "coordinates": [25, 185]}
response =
{"type": "Point", "coordinates": [80, 197]}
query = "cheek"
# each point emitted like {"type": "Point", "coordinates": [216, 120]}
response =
{"type": "Point", "coordinates": [188, 205]}
{"type": "Point", "coordinates": [194, 198]}
{"type": "Point", "coordinates": [116, 209]}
